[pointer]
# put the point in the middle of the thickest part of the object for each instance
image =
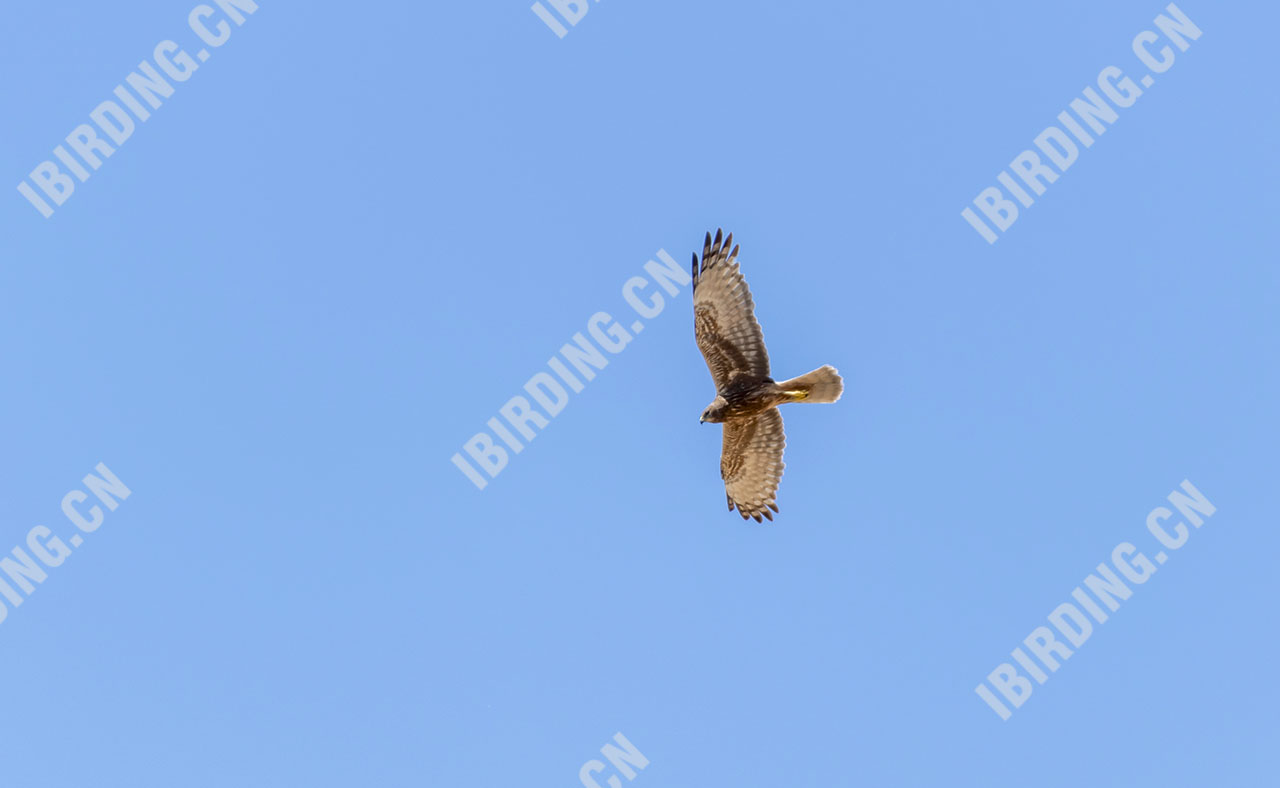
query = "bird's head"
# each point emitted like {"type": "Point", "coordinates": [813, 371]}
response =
{"type": "Point", "coordinates": [714, 412]}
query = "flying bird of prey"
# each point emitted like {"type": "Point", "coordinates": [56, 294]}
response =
{"type": "Point", "coordinates": [747, 399]}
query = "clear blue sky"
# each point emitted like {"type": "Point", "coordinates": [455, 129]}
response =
{"type": "Point", "coordinates": [356, 231]}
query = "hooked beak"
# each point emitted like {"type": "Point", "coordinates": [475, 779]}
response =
{"type": "Point", "coordinates": [701, 420]}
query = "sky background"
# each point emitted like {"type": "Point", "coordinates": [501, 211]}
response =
{"type": "Point", "coordinates": [337, 250]}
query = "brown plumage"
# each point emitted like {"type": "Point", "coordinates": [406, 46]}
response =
{"type": "Point", "coordinates": [747, 399]}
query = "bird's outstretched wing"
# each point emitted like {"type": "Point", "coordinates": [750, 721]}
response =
{"type": "Point", "coordinates": [724, 320]}
{"type": "Point", "coordinates": [751, 463]}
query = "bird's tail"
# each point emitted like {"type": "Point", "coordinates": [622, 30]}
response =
{"type": "Point", "coordinates": [823, 384]}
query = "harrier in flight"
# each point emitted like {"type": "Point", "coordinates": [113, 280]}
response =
{"type": "Point", "coordinates": [747, 399]}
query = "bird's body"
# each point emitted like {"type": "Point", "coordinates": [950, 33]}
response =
{"type": "Point", "coordinates": [747, 398]}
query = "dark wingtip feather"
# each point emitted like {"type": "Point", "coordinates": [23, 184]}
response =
{"type": "Point", "coordinates": [773, 507]}
{"type": "Point", "coordinates": [768, 515]}
{"type": "Point", "coordinates": [719, 238]}
{"type": "Point", "coordinates": [757, 518]}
